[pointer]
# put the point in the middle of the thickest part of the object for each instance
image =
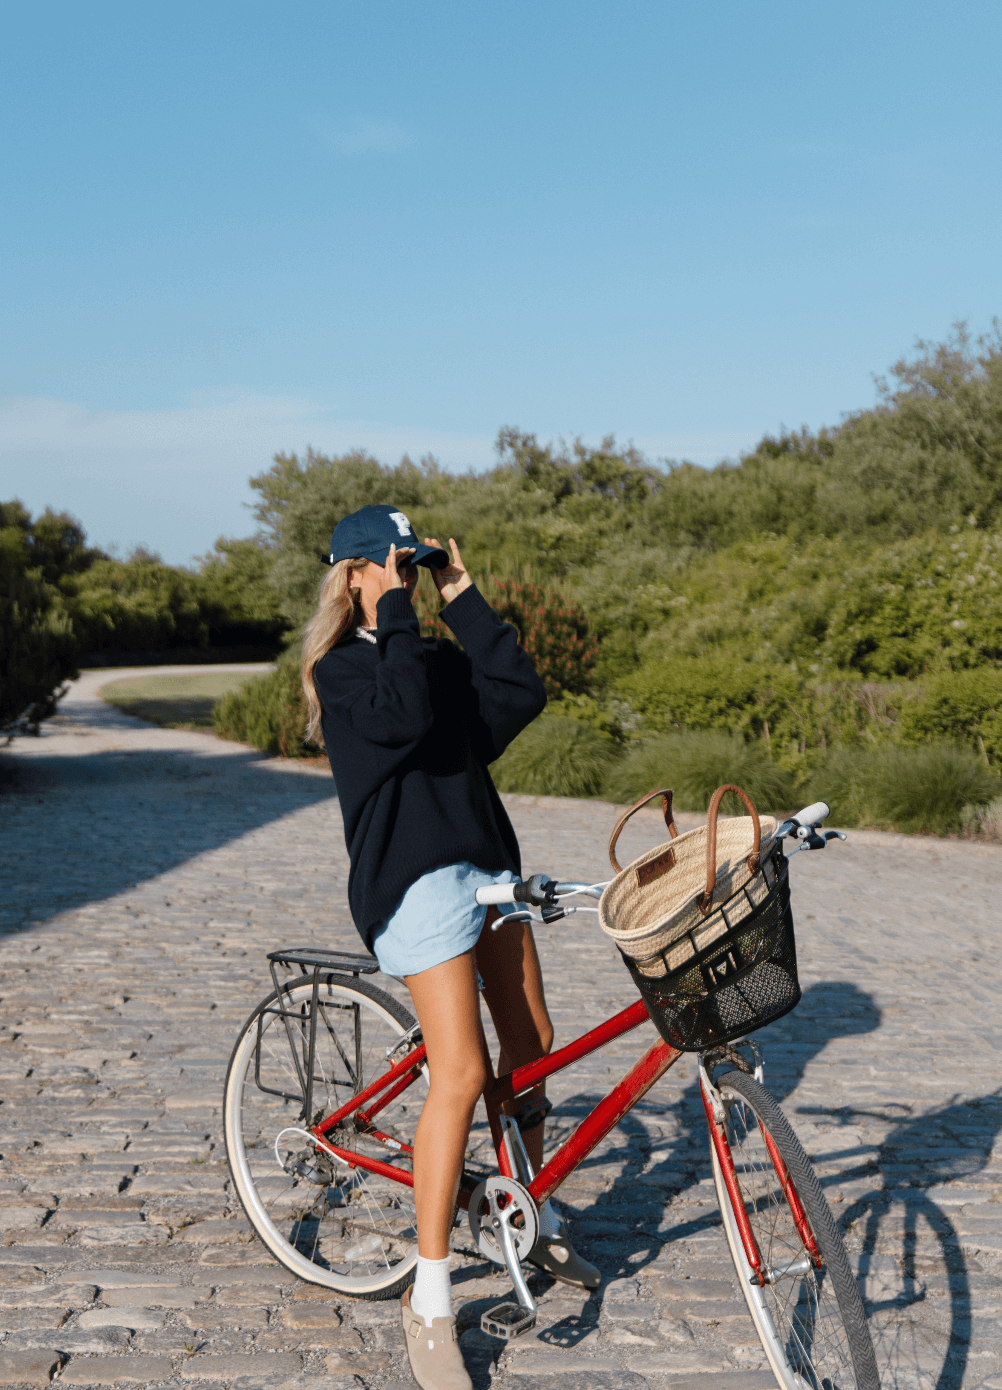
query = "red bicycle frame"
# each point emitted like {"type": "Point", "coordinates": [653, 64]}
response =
{"type": "Point", "coordinates": [363, 1109]}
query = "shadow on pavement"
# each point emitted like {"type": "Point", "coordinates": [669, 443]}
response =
{"type": "Point", "coordinates": [625, 1229]}
{"type": "Point", "coordinates": [900, 1264]}
{"type": "Point", "coordinates": [966, 1132]}
{"type": "Point", "coordinates": [829, 1010]}
{"type": "Point", "coordinates": [81, 828]}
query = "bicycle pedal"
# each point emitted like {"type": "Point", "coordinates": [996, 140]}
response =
{"type": "Point", "coordinates": [508, 1320]}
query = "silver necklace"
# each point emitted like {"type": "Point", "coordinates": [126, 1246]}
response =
{"type": "Point", "coordinates": [366, 635]}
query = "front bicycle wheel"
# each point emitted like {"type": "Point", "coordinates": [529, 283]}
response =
{"type": "Point", "coordinates": [809, 1314]}
{"type": "Point", "coordinates": [348, 1229]}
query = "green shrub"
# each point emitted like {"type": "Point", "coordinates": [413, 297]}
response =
{"type": "Point", "coordinates": [38, 644]}
{"type": "Point", "coordinates": [614, 718]}
{"type": "Point", "coordinates": [555, 757]}
{"type": "Point", "coordinates": [138, 605]}
{"type": "Point", "coordinates": [960, 704]}
{"type": "Point", "coordinates": [706, 693]}
{"type": "Point", "coordinates": [268, 712]}
{"type": "Point", "coordinates": [694, 764]}
{"type": "Point", "coordinates": [551, 627]}
{"type": "Point", "coordinates": [932, 788]}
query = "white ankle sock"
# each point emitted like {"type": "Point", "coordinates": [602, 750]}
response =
{"type": "Point", "coordinates": [549, 1221]}
{"type": "Point", "coordinates": [431, 1296]}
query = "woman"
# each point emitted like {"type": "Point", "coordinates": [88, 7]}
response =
{"type": "Point", "coordinates": [410, 725]}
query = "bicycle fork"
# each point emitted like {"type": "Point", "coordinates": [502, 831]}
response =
{"type": "Point", "coordinates": [716, 1119]}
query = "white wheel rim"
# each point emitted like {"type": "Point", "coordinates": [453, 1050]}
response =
{"type": "Point", "coordinates": [257, 1213]}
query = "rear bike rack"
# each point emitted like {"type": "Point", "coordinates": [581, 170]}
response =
{"type": "Point", "coordinates": [322, 964]}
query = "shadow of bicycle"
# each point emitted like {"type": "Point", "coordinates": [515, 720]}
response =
{"type": "Point", "coordinates": [914, 1273]}
{"type": "Point", "coordinates": [628, 1224]}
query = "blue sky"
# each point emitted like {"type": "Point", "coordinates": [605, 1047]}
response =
{"type": "Point", "coordinates": [227, 230]}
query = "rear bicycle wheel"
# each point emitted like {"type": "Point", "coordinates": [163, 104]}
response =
{"type": "Point", "coordinates": [810, 1319]}
{"type": "Point", "coordinates": [344, 1228]}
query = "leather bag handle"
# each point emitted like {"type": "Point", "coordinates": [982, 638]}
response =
{"type": "Point", "coordinates": [665, 794]}
{"type": "Point", "coordinates": [706, 900]}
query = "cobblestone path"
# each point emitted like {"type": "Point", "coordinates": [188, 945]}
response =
{"type": "Point", "coordinates": [145, 875]}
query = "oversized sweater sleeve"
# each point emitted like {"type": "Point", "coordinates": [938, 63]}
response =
{"type": "Point", "coordinates": [509, 694]}
{"type": "Point", "coordinates": [388, 704]}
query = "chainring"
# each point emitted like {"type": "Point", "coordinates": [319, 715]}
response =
{"type": "Point", "coordinates": [499, 1199]}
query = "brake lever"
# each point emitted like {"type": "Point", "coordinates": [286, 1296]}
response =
{"type": "Point", "coordinates": [551, 913]}
{"type": "Point", "coordinates": [816, 841]}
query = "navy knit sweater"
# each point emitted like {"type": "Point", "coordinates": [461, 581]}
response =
{"type": "Point", "coordinates": [410, 725]}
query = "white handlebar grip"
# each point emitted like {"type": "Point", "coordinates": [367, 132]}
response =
{"type": "Point", "coordinates": [810, 815]}
{"type": "Point", "coordinates": [496, 893]}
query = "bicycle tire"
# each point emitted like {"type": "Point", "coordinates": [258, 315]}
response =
{"type": "Point", "coordinates": [811, 1322]}
{"type": "Point", "coordinates": [306, 1215]}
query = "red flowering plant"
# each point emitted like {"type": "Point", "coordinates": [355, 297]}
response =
{"type": "Point", "coordinates": [551, 627]}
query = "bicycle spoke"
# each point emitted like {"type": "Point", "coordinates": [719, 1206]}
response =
{"type": "Point", "coordinates": [349, 1228]}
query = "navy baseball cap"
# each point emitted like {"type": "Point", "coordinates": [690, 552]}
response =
{"type": "Point", "coordinates": [369, 533]}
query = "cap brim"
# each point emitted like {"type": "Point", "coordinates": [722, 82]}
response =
{"type": "Point", "coordinates": [427, 555]}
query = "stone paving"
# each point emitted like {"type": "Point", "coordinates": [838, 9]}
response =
{"type": "Point", "coordinates": [146, 873]}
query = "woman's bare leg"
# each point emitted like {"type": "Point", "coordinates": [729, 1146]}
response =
{"type": "Point", "coordinates": [448, 1009]}
{"type": "Point", "coordinates": [513, 988]}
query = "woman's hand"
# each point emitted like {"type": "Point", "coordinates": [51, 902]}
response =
{"type": "Point", "coordinates": [452, 579]}
{"type": "Point", "coordinates": [391, 577]}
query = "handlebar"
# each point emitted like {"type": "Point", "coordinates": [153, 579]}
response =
{"type": "Point", "coordinates": [541, 891]}
{"type": "Point", "coordinates": [496, 893]}
{"type": "Point", "coordinates": [804, 827]}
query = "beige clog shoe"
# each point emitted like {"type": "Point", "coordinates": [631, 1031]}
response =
{"type": "Point", "coordinates": [556, 1256]}
{"type": "Point", "coordinates": [436, 1361]}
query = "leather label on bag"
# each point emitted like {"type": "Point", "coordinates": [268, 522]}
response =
{"type": "Point", "coordinates": [655, 868]}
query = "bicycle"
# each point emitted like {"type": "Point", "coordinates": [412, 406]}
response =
{"type": "Point", "coordinates": [325, 1085]}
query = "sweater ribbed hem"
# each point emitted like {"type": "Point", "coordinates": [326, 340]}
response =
{"type": "Point", "coordinates": [464, 611]}
{"type": "Point", "coordinates": [395, 603]}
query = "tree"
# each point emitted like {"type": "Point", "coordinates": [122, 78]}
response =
{"type": "Point", "coordinates": [38, 644]}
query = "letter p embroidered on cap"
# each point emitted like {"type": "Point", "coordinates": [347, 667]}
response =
{"type": "Point", "coordinates": [403, 525]}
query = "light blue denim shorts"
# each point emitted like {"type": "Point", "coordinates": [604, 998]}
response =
{"type": "Point", "coordinates": [437, 919]}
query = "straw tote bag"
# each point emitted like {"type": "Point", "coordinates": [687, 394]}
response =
{"type": "Point", "coordinates": [663, 910]}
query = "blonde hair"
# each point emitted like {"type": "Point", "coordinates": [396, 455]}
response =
{"type": "Point", "coordinates": [338, 612]}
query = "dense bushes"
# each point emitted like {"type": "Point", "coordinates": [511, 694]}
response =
{"type": "Point", "coordinates": [695, 764]}
{"type": "Point", "coordinates": [268, 712]}
{"type": "Point", "coordinates": [938, 788]}
{"type": "Point", "coordinates": [64, 603]}
{"type": "Point", "coordinates": [828, 606]}
{"type": "Point", "coordinates": [551, 627]}
{"type": "Point", "coordinates": [964, 704]}
{"type": "Point", "coordinates": [38, 644]}
{"type": "Point", "coordinates": [556, 757]}
{"type": "Point", "coordinates": [143, 605]}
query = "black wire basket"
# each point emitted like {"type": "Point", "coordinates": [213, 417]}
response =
{"type": "Point", "coordinates": [744, 979]}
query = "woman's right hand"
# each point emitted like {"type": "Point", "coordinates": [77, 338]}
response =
{"type": "Point", "coordinates": [391, 577]}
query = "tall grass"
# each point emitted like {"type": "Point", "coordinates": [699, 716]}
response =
{"type": "Point", "coordinates": [935, 788]}
{"type": "Point", "coordinates": [695, 764]}
{"type": "Point", "coordinates": [555, 757]}
{"type": "Point", "coordinates": [984, 822]}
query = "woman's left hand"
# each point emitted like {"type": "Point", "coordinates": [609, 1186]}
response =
{"type": "Point", "coordinates": [452, 579]}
